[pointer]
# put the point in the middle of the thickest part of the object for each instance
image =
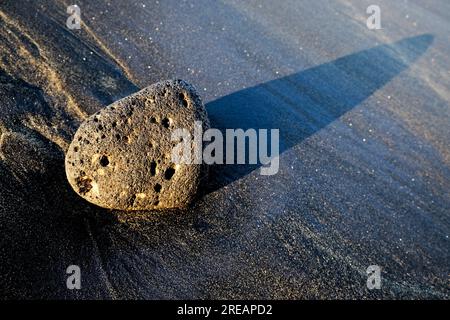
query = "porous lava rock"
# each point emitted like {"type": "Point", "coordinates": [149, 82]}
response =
{"type": "Point", "coordinates": [121, 156]}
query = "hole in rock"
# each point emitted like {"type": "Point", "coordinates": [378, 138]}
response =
{"type": "Point", "coordinates": [153, 168]}
{"type": "Point", "coordinates": [183, 99]}
{"type": "Point", "coordinates": [158, 187]}
{"type": "Point", "coordinates": [104, 161]}
{"type": "Point", "coordinates": [165, 122]}
{"type": "Point", "coordinates": [169, 173]}
{"type": "Point", "coordinates": [84, 184]}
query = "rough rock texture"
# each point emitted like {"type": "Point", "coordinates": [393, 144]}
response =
{"type": "Point", "coordinates": [120, 157]}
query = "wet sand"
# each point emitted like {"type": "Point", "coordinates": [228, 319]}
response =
{"type": "Point", "coordinates": [364, 166]}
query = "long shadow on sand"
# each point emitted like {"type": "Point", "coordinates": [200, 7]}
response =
{"type": "Point", "coordinates": [303, 103]}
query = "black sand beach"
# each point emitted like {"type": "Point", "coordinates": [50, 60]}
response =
{"type": "Point", "coordinates": [364, 174]}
